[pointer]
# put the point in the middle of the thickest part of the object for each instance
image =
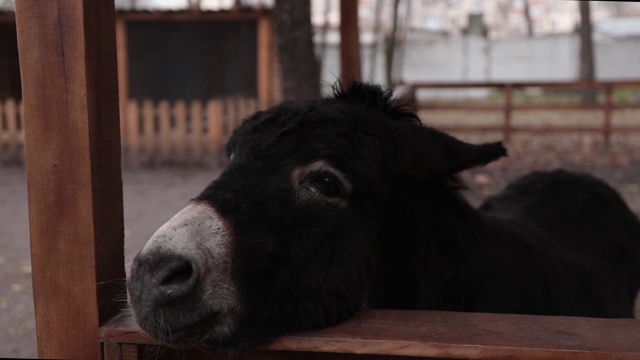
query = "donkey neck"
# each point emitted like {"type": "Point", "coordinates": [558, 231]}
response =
{"type": "Point", "coordinates": [427, 230]}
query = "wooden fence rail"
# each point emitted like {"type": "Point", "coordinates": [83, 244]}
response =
{"type": "Point", "coordinates": [396, 334]}
{"type": "Point", "coordinates": [152, 133]}
{"type": "Point", "coordinates": [508, 106]}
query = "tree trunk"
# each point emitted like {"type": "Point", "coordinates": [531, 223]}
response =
{"type": "Point", "coordinates": [390, 45]}
{"type": "Point", "coordinates": [294, 41]}
{"type": "Point", "coordinates": [587, 64]}
{"type": "Point", "coordinates": [527, 16]}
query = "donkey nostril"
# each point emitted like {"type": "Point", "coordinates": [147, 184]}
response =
{"type": "Point", "coordinates": [177, 274]}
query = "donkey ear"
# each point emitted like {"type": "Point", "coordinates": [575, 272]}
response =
{"type": "Point", "coordinates": [422, 152]}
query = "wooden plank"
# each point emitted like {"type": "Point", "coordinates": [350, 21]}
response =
{"type": "Point", "coordinates": [424, 105]}
{"type": "Point", "coordinates": [132, 123]}
{"type": "Point", "coordinates": [194, 16]}
{"type": "Point", "coordinates": [111, 351]}
{"type": "Point", "coordinates": [180, 130]}
{"type": "Point", "coordinates": [148, 131]}
{"type": "Point", "coordinates": [246, 108]}
{"type": "Point", "coordinates": [519, 85]}
{"type": "Point", "coordinates": [123, 67]}
{"type": "Point", "coordinates": [70, 93]}
{"type": "Point", "coordinates": [114, 351]}
{"type": "Point", "coordinates": [215, 129]}
{"type": "Point", "coordinates": [131, 352]}
{"type": "Point", "coordinates": [21, 131]}
{"type": "Point", "coordinates": [508, 109]}
{"type": "Point", "coordinates": [3, 134]}
{"type": "Point", "coordinates": [196, 133]}
{"type": "Point", "coordinates": [231, 116]}
{"type": "Point", "coordinates": [265, 51]}
{"type": "Point", "coordinates": [11, 118]}
{"type": "Point", "coordinates": [435, 334]}
{"type": "Point", "coordinates": [540, 129]}
{"type": "Point", "coordinates": [349, 42]}
{"type": "Point", "coordinates": [606, 126]}
{"type": "Point", "coordinates": [164, 119]}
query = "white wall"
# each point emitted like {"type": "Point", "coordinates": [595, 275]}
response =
{"type": "Point", "coordinates": [553, 58]}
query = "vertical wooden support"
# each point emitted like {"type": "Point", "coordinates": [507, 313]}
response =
{"type": "Point", "coordinates": [180, 115]}
{"type": "Point", "coordinates": [148, 134]}
{"type": "Point", "coordinates": [132, 124]}
{"type": "Point", "coordinates": [349, 42]}
{"type": "Point", "coordinates": [508, 109]}
{"type": "Point", "coordinates": [215, 129]}
{"type": "Point", "coordinates": [608, 107]}
{"type": "Point", "coordinates": [113, 351]}
{"type": "Point", "coordinates": [231, 112]}
{"type": "Point", "coordinates": [164, 117]}
{"type": "Point", "coordinates": [13, 137]}
{"type": "Point", "coordinates": [195, 137]}
{"type": "Point", "coordinates": [265, 60]}
{"type": "Point", "coordinates": [70, 91]}
{"type": "Point", "coordinates": [123, 65]}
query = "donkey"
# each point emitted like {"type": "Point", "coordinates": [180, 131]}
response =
{"type": "Point", "coordinates": [330, 206]}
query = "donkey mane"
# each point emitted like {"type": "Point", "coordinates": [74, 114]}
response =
{"type": "Point", "coordinates": [375, 98]}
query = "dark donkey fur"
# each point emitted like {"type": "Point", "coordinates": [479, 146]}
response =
{"type": "Point", "coordinates": [334, 205]}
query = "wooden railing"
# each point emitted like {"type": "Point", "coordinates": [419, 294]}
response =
{"type": "Point", "coordinates": [508, 106]}
{"type": "Point", "coordinates": [152, 133]}
{"type": "Point", "coordinates": [389, 334]}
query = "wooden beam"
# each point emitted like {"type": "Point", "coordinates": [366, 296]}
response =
{"type": "Point", "coordinates": [349, 42]}
{"type": "Point", "coordinates": [70, 91]}
{"type": "Point", "coordinates": [194, 16]}
{"type": "Point", "coordinates": [450, 335]}
{"type": "Point", "coordinates": [123, 64]}
{"type": "Point", "coordinates": [265, 49]}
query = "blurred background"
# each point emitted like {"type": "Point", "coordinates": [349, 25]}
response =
{"type": "Point", "coordinates": [558, 81]}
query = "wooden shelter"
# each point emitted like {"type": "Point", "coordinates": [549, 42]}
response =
{"type": "Point", "coordinates": [196, 54]}
{"type": "Point", "coordinates": [178, 55]}
{"type": "Point", "coordinates": [70, 91]}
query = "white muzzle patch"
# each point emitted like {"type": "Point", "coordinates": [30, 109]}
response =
{"type": "Point", "coordinates": [201, 235]}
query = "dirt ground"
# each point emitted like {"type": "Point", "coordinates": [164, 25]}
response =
{"type": "Point", "coordinates": [151, 196]}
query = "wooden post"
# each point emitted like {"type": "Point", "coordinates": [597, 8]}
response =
{"type": "Point", "coordinates": [215, 129]}
{"type": "Point", "coordinates": [148, 133]}
{"type": "Point", "coordinates": [195, 137]}
{"type": "Point", "coordinates": [608, 107]}
{"type": "Point", "coordinates": [508, 107]}
{"type": "Point", "coordinates": [131, 123]}
{"type": "Point", "coordinates": [11, 116]}
{"type": "Point", "coordinates": [123, 65]}
{"type": "Point", "coordinates": [265, 60]}
{"type": "Point", "coordinates": [180, 115]}
{"type": "Point", "coordinates": [164, 117]}
{"type": "Point", "coordinates": [70, 92]}
{"type": "Point", "coordinates": [349, 42]}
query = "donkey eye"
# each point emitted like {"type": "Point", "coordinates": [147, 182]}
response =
{"type": "Point", "coordinates": [327, 184]}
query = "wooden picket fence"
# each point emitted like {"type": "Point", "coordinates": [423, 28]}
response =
{"type": "Point", "coordinates": [180, 133]}
{"type": "Point", "coordinates": [152, 133]}
{"type": "Point", "coordinates": [11, 132]}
